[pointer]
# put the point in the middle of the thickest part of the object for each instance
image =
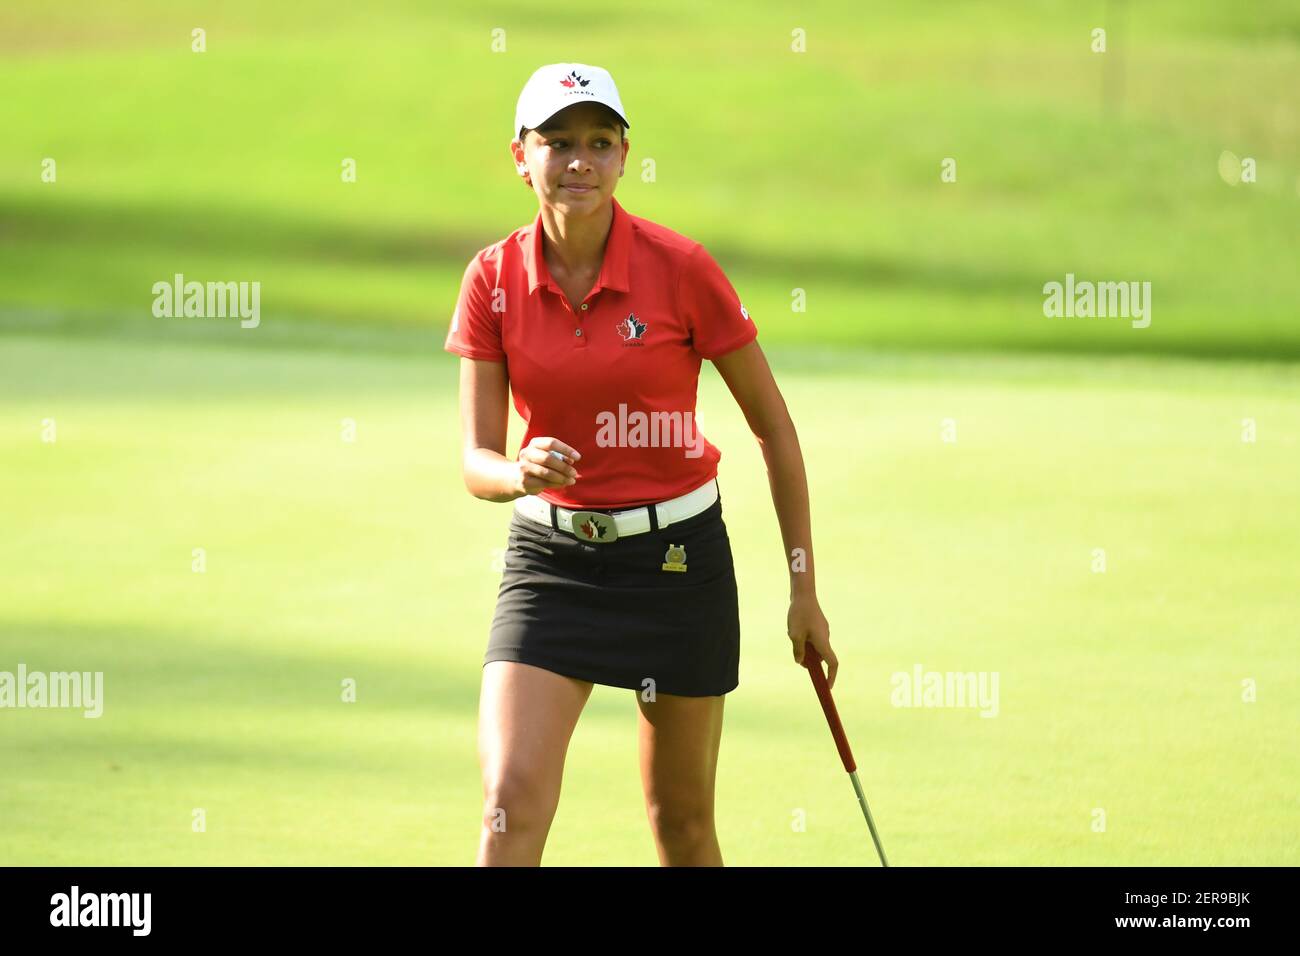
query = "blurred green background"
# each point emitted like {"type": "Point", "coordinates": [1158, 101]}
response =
{"type": "Point", "coordinates": [818, 170]}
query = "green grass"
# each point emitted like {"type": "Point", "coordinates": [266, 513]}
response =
{"type": "Point", "coordinates": [329, 560]}
{"type": "Point", "coordinates": [817, 171]}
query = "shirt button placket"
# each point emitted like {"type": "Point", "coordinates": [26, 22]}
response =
{"type": "Point", "coordinates": [580, 340]}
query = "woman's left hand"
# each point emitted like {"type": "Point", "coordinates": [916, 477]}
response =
{"type": "Point", "coordinates": [806, 623]}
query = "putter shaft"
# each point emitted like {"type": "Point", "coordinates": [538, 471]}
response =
{"type": "Point", "coordinates": [871, 824]}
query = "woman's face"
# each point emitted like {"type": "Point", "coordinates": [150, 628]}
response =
{"type": "Point", "coordinates": [578, 146]}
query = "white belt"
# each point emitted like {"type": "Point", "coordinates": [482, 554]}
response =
{"type": "Point", "coordinates": [603, 527]}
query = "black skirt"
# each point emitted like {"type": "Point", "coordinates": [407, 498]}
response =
{"type": "Point", "coordinates": [612, 614]}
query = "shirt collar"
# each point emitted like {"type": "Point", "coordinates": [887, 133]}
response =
{"type": "Point", "coordinates": [613, 268]}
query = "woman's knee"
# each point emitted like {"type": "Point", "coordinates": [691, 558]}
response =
{"type": "Point", "coordinates": [682, 821]}
{"type": "Point", "coordinates": [518, 800]}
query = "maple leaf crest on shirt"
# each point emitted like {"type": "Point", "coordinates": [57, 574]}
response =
{"type": "Point", "coordinates": [630, 328]}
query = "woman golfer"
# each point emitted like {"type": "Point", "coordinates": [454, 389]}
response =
{"type": "Point", "coordinates": [618, 564]}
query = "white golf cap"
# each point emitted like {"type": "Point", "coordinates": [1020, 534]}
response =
{"type": "Point", "coordinates": [557, 85]}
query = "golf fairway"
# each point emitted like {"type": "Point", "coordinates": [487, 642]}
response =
{"type": "Point", "coordinates": [329, 560]}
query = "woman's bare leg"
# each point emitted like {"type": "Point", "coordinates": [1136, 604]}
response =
{"type": "Point", "coordinates": [679, 740]}
{"type": "Point", "coordinates": [526, 717]}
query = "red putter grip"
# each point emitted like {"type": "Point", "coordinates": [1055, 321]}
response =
{"type": "Point", "coordinates": [813, 661]}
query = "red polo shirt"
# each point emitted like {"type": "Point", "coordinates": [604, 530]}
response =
{"type": "Point", "coordinates": [616, 379]}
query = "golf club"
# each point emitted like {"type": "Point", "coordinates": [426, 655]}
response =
{"type": "Point", "coordinates": [813, 661]}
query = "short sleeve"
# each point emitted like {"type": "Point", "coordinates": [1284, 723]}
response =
{"type": "Point", "coordinates": [475, 329]}
{"type": "Point", "coordinates": [718, 321]}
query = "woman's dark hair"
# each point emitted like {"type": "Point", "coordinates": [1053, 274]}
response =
{"type": "Point", "coordinates": [622, 130]}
